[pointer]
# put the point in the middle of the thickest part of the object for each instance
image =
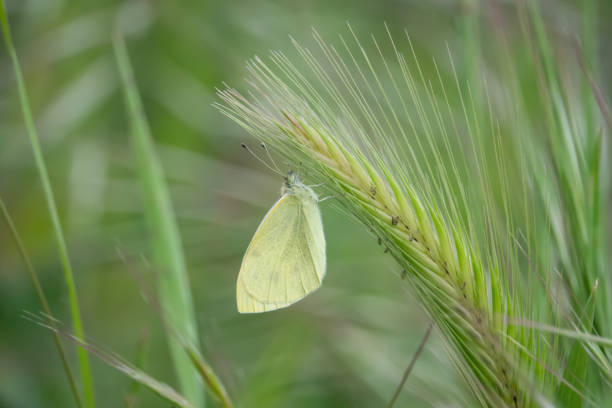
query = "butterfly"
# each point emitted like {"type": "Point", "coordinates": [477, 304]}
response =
{"type": "Point", "coordinates": [285, 260]}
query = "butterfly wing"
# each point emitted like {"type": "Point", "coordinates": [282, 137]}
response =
{"type": "Point", "coordinates": [285, 260]}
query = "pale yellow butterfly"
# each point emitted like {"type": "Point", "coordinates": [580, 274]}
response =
{"type": "Point", "coordinates": [285, 260]}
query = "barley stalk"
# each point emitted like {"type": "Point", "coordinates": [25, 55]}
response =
{"type": "Point", "coordinates": [343, 127]}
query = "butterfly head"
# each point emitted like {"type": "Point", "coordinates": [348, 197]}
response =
{"type": "Point", "coordinates": [291, 179]}
{"type": "Point", "coordinates": [293, 185]}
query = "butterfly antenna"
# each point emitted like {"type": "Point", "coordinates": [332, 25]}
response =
{"type": "Point", "coordinates": [263, 146]}
{"type": "Point", "coordinates": [248, 149]}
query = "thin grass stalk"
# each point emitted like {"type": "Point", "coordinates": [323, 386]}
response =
{"type": "Point", "coordinates": [161, 389]}
{"type": "Point", "coordinates": [538, 251]}
{"type": "Point", "coordinates": [571, 186]}
{"type": "Point", "coordinates": [355, 147]}
{"type": "Point", "coordinates": [595, 151]}
{"type": "Point", "coordinates": [205, 371]}
{"type": "Point", "coordinates": [131, 396]}
{"type": "Point", "coordinates": [173, 280]}
{"type": "Point", "coordinates": [415, 357]}
{"type": "Point", "coordinates": [589, 26]}
{"type": "Point", "coordinates": [470, 45]}
{"type": "Point", "coordinates": [43, 300]}
{"type": "Point", "coordinates": [86, 378]}
{"type": "Point", "coordinates": [577, 152]}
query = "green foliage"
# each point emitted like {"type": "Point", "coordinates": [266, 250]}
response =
{"type": "Point", "coordinates": [445, 213]}
{"type": "Point", "coordinates": [86, 379]}
{"type": "Point", "coordinates": [576, 369]}
{"type": "Point", "coordinates": [473, 147]}
{"type": "Point", "coordinates": [137, 375]}
{"type": "Point", "coordinates": [43, 300]}
{"type": "Point", "coordinates": [174, 287]}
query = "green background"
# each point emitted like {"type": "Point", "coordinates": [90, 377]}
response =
{"type": "Point", "coordinates": [345, 345]}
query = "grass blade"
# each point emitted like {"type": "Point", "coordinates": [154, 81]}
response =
{"type": "Point", "coordinates": [86, 379]}
{"type": "Point", "coordinates": [174, 288]}
{"type": "Point", "coordinates": [577, 363]}
{"type": "Point", "coordinates": [205, 371]}
{"type": "Point", "coordinates": [158, 387]}
{"type": "Point", "coordinates": [43, 299]}
{"type": "Point", "coordinates": [131, 397]}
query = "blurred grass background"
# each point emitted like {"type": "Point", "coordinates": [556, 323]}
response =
{"type": "Point", "coordinates": [348, 344]}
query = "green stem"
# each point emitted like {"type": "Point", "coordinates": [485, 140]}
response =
{"type": "Point", "coordinates": [174, 287]}
{"type": "Point", "coordinates": [470, 40]}
{"type": "Point", "coordinates": [43, 300]}
{"type": "Point", "coordinates": [410, 366]}
{"type": "Point", "coordinates": [86, 378]}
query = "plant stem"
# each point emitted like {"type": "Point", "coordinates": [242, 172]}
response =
{"type": "Point", "coordinates": [86, 378]}
{"type": "Point", "coordinates": [174, 287]}
{"type": "Point", "coordinates": [410, 366]}
{"type": "Point", "coordinates": [43, 300]}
